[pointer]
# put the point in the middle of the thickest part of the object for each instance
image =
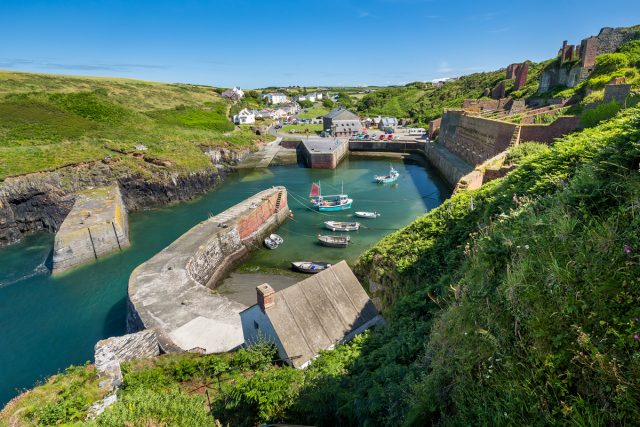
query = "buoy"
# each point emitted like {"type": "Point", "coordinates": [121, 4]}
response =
{"type": "Point", "coordinates": [291, 215]}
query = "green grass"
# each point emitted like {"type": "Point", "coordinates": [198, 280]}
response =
{"type": "Point", "coordinates": [316, 111]}
{"type": "Point", "coordinates": [301, 129]}
{"type": "Point", "coordinates": [48, 122]}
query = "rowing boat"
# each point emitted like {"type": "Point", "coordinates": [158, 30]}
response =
{"type": "Point", "coordinates": [392, 176]}
{"type": "Point", "coordinates": [310, 267]}
{"type": "Point", "coordinates": [367, 214]}
{"type": "Point", "coordinates": [342, 226]}
{"type": "Point", "coordinates": [334, 241]}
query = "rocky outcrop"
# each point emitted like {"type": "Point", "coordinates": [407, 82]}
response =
{"type": "Point", "coordinates": [41, 201]}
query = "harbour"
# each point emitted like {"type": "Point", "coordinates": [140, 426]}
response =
{"type": "Point", "coordinates": [49, 322]}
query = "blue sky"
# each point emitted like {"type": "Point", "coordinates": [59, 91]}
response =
{"type": "Point", "coordinates": [324, 42]}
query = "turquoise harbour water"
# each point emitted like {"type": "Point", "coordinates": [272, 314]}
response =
{"type": "Point", "coordinates": [48, 323]}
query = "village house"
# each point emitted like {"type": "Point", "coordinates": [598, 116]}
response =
{"type": "Point", "coordinates": [388, 124]}
{"type": "Point", "coordinates": [326, 309]}
{"type": "Point", "coordinates": [244, 117]}
{"type": "Point", "coordinates": [234, 94]}
{"type": "Point", "coordinates": [275, 98]}
{"type": "Point", "coordinates": [311, 97]}
{"type": "Point", "coordinates": [341, 122]}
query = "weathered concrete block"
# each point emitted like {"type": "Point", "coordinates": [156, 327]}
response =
{"type": "Point", "coordinates": [97, 225]}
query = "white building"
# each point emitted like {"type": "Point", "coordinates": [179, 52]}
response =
{"type": "Point", "coordinates": [328, 308]}
{"type": "Point", "coordinates": [275, 98]}
{"type": "Point", "coordinates": [244, 117]}
{"type": "Point", "coordinates": [311, 97]}
{"type": "Point", "coordinates": [234, 94]}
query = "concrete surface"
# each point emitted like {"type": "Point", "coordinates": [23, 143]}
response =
{"type": "Point", "coordinates": [96, 226]}
{"type": "Point", "coordinates": [169, 292]}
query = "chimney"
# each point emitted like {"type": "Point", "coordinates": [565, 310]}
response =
{"type": "Point", "coordinates": [266, 296]}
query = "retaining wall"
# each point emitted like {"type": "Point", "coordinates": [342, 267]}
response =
{"type": "Point", "coordinates": [548, 133]}
{"type": "Point", "coordinates": [324, 154]}
{"type": "Point", "coordinates": [474, 139]}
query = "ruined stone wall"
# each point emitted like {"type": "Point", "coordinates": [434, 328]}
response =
{"type": "Point", "coordinates": [610, 39]}
{"type": "Point", "coordinates": [474, 139]}
{"type": "Point", "coordinates": [617, 92]}
{"type": "Point", "coordinates": [548, 133]}
{"type": "Point", "coordinates": [434, 128]}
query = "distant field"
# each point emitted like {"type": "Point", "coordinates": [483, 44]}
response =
{"type": "Point", "coordinates": [301, 128]}
{"type": "Point", "coordinates": [49, 121]}
{"type": "Point", "coordinates": [313, 112]}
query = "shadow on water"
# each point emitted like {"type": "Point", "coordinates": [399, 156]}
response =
{"type": "Point", "coordinates": [113, 320]}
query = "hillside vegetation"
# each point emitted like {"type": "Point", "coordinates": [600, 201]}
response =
{"type": "Point", "coordinates": [422, 102]}
{"type": "Point", "coordinates": [514, 304]}
{"type": "Point", "coordinates": [49, 121]}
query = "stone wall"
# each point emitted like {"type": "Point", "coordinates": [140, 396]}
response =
{"type": "Point", "coordinates": [474, 139]}
{"type": "Point", "coordinates": [548, 133]}
{"type": "Point", "coordinates": [170, 293]}
{"type": "Point", "coordinates": [96, 226]}
{"type": "Point", "coordinates": [318, 155]}
{"type": "Point", "coordinates": [617, 93]}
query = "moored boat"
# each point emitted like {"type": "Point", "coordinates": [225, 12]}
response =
{"type": "Point", "coordinates": [310, 267]}
{"type": "Point", "coordinates": [342, 226]}
{"type": "Point", "coordinates": [270, 243]}
{"type": "Point", "coordinates": [367, 214]}
{"type": "Point", "coordinates": [279, 240]}
{"type": "Point", "coordinates": [334, 241]}
{"type": "Point", "coordinates": [392, 176]}
{"type": "Point", "coordinates": [331, 203]}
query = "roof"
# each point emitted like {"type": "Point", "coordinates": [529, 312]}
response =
{"type": "Point", "coordinates": [389, 121]}
{"type": "Point", "coordinates": [320, 311]}
{"type": "Point", "coordinates": [341, 113]}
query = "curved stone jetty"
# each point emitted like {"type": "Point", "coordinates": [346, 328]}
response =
{"type": "Point", "coordinates": [172, 292]}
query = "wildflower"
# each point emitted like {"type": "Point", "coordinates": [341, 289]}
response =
{"type": "Point", "coordinates": [636, 336]}
{"type": "Point", "coordinates": [627, 249]}
{"type": "Point", "coordinates": [526, 246]}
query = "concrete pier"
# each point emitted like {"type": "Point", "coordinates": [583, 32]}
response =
{"type": "Point", "coordinates": [96, 226]}
{"type": "Point", "coordinates": [321, 153]}
{"type": "Point", "coordinates": [172, 292]}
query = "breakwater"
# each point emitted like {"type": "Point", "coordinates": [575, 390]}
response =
{"type": "Point", "coordinates": [96, 226]}
{"type": "Point", "coordinates": [171, 293]}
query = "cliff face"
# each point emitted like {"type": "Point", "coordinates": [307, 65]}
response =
{"type": "Point", "coordinates": [40, 201]}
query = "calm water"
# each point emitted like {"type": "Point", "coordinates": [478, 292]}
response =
{"type": "Point", "coordinates": [48, 323]}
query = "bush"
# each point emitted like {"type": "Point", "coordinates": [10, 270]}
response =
{"type": "Point", "coordinates": [610, 62]}
{"type": "Point", "coordinates": [598, 114]}
{"type": "Point", "coordinates": [632, 51]}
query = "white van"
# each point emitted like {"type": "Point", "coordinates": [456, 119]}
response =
{"type": "Point", "coordinates": [417, 131]}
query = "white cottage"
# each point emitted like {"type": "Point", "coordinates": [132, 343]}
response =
{"type": "Point", "coordinates": [244, 117]}
{"type": "Point", "coordinates": [328, 308]}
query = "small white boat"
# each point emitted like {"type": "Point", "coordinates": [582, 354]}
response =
{"type": "Point", "coordinates": [334, 241]}
{"type": "Point", "coordinates": [392, 176]}
{"type": "Point", "coordinates": [279, 240]}
{"type": "Point", "coordinates": [271, 244]}
{"type": "Point", "coordinates": [342, 226]}
{"type": "Point", "coordinates": [367, 214]}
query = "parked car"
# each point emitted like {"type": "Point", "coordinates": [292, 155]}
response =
{"type": "Point", "coordinates": [390, 136]}
{"type": "Point", "coordinates": [367, 137]}
{"type": "Point", "coordinates": [381, 137]}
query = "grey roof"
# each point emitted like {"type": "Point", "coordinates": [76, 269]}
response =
{"type": "Point", "coordinates": [341, 113]}
{"type": "Point", "coordinates": [389, 121]}
{"type": "Point", "coordinates": [320, 311]}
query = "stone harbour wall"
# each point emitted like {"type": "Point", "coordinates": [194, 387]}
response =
{"type": "Point", "coordinates": [171, 293]}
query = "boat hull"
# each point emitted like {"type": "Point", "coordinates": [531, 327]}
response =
{"type": "Point", "coordinates": [339, 226]}
{"type": "Point", "coordinates": [335, 208]}
{"type": "Point", "coordinates": [370, 215]}
{"type": "Point", "coordinates": [310, 267]}
{"type": "Point", "coordinates": [332, 242]}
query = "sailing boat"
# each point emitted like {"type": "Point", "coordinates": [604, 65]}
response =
{"type": "Point", "coordinates": [331, 203]}
{"type": "Point", "coordinates": [387, 179]}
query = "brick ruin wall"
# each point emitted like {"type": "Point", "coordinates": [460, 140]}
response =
{"type": "Point", "coordinates": [434, 128]}
{"type": "Point", "coordinates": [474, 139]}
{"type": "Point", "coordinates": [251, 223]}
{"type": "Point", "coordinates": [548, 133]}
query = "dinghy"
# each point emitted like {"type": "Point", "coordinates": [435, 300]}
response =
{"type": "Point", "coordinates": [270, 243]}
{"type": "Point", "coordinates": [334, 241]}
{"type": "Point", "coordinates": [367, 214]}
{"type": "Point", "coordinates": [310, 267]}
{"type": "Point", "coordinates": [392, 176]}
{"type": "Point", "coordinates": [279, 240]}
{"type": "Point", "coordinates": [342, 226]}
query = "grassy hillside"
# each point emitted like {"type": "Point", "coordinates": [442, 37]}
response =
{"type": "Point", "coordinates": [514, 304]}
{"type": "Point", "coordinates": [422, 102]}
{"type": "Point", "coordinates": [49, 121]}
